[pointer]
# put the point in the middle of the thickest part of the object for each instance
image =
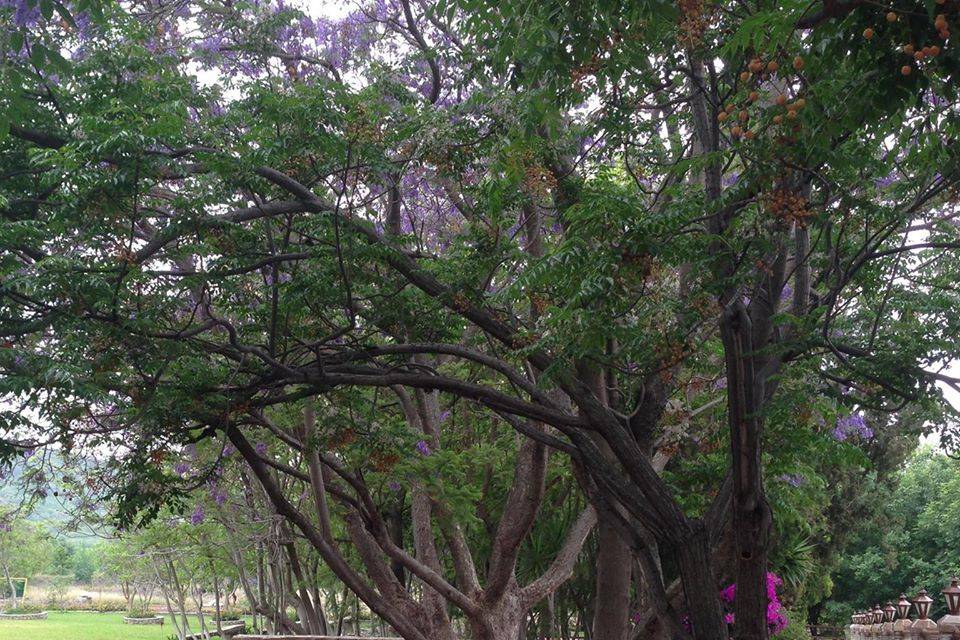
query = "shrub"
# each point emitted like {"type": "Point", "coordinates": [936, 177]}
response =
{"type": "Point", "coordinates": [108, 605]}
{"type": "Point", "coordinates": [796, 628]}
{"type": "Point", "coordinates": [836, 613]}
{"type": "Point", "coordinates": [25, 608]}
{"type": "Point", "coordinates": [57, 592]}
{"type": "Point", "coordinates": [231, 614]}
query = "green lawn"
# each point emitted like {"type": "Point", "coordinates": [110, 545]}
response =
{"type": "Point", "coordinates": [84, 626]}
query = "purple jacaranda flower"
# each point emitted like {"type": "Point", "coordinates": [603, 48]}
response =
{"type": "Point", "coordinates": [423, 448]}
{"type": "Point", "coordinates": [228, 450]}
{"type": "Point", "coordinates": [181, 468]}
{"type": "Point", "coordinates": [26, 13]}
{"type": "Point", "coordinates": [793, 479]}
{"type": "Point", "coordinates": [852, 425]}
{"type": "Point", "coordinates": [197, 516]}
{"type": "Point", "coordinates": [261, 448]}
{"type": "Point", "coordinates": [210, 45]}
{"type": "Point", "coordinates": [731, 179]}
{"type": "Point", "coordinates": [786, 293]}
{"type": "Point", "coordinates": [28, 453]}
{"type": "Point", "coordinates": [445, 415]}
{"type": "Point", "coordinates": [393, 485]}
{"type": "Point", "coordinates": [887, 180]}
{"type": "Point", "coordinates": [720, 383]}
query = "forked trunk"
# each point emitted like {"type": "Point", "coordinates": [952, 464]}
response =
{"type": "Point", "coordinates": [503, 620]}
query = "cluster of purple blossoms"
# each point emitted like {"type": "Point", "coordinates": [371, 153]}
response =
{"type": "Point", "coordinates": [793, 479]}
{"type": "Point", "coordinates": [786, 293]}
{"type": "Point", "coordinates": [26, 13]}
{"type": "Point", "coordinates": [198, 516]}
{"type": "Point", "coordinates": [261, 449]}
{"type": "Point", "coordinates": [852, 425]}
{"type": "Point", "coordinates": [423, 448]}
{"type": "Point", "coordinates": [283, 278]}
{"type": "Point", "coordinates": [218, 495]}
{"type": "Point", "coordinates": [887, 180]}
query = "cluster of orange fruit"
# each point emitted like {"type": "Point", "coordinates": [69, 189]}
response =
{"type": "Point", "coordinates": [757, 69]}
{"type": "Point", "coordinates": [694, 20]}
{"type": "Point", "coordinates": [539, 303]}
{"type": "Point", "coordinates": [919, 55]}
{"type": "Point", "coordinates": [538, 182]}
{"type": "Point", "coordinates": [787, 205]}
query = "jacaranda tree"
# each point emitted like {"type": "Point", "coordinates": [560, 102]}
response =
{"type": "Point", "coordinates": [378, 241]}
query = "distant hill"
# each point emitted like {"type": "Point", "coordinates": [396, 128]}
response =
{"type": "Point", "coordinates": [50, 511]}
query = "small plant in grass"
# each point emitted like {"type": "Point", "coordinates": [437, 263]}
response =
{"type": "Point", "coordinates": [110, 606]}
{"type": "Point", "coordinates": [140, 613]}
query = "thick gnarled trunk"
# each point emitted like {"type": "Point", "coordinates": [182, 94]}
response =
{"type": "Point", "coordinates": [704, 614]}
{"type": "Point", "coordinates": [611, 619]}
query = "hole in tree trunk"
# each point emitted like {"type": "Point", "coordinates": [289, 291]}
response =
{"type": "Point", "coordinates": [746, 555]}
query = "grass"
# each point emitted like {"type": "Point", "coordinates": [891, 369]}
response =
{"type": "Point", "coordinates": [80, 625]}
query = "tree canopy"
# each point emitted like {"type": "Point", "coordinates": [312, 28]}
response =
{"type": "Point", "coordinates": [457, 280]}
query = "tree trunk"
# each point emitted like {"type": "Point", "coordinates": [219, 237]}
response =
{"type": "Point", "coordinates": [502, 620]}
{"type": "Point", "coordinates": [611, 619]}
{"type": "Point", "coordinates": [700, 589]}
{"type": "Point", "coordinates": [751, 512]}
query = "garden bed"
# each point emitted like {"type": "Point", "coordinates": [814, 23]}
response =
{"type": "Point", "coordinates": [39, 615]}
{"type": "Point", "coordinates": [151, 620]}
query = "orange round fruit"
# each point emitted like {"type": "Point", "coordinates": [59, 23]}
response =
{"type": "Point", "coordinates": [798, 63]}
{"type": "Point", "coordinates": [868, 33]}
{"type": "Point", "coordinates": [892, 16]}
{"type": "Point", "coordinates": [906, 69]}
